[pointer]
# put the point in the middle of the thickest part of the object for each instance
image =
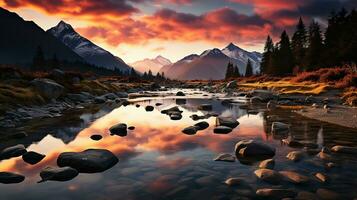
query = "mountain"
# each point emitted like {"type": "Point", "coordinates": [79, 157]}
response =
{"type": "Point", "coordinates": [154, 64]}
{"type": "Point", "coordinates": [20, 39]}
{"type": "Point", "coordinates": [212, 64]}
{"type": "Point", "coordinates": [90, 52]}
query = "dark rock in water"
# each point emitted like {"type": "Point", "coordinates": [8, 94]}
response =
{"type": "Point", "coordinates": [149, 108]}
{"type": "Point", "coordinates": [227, 121]}
{"type": "Point", "coordinates": [137, 105]}
{"type": "Point", "coordinates": [196, 117]}
{"type": "Point", "coordinates": [181, 101]}
{"type": "Point", "coordinates": [225, 157]}
{"type": "Point", "coordinates": [268, 175]}
{"type": "Point", "coordinates": [272, 193]}
{"type": "Point", "coordinates": [125, 102]}
{"type": "Point", "coordinates": [234, 181]}
{"type": "Point", "coordinates": [292, 143]}
{"type": "Point", "coordinates": [222, 129]}
{"type": "Point", "coordinates": [247, 148]}
{"type": "Point", "coordinates": [131, 128]}
{"type": "Point", "coordinates": [256, 100]}
{"type": "Point", "coordinates": [344, 149]}
{"type": "Point", "coordinates": [296, 155]}
{"type": "Point", "coordinates": [58, 174]}
{"type": "Point", "coordinates": [175, 117]}
{"type": "Point", "coordinates": [119, 129]}
{"type": "Point", "coordinates": [158, 104]}
{"type": "Point", "coordinates": [180, 93]}
{"type": "Point", "coordinates": [279, 128]}
{"type": "Point", "coordinates": [99, 100]}
{"type": "Point", "coordinates": [14, 151]}
{"type": "Point", "coordinates": [172, 110]}
{"type": "Point", "coordinates": [96, 137]}
{"type": "Point", "coordinates": [9, 177]}
{"type": "Point", "coordinates": [88, 161]}
{"type": "Point", "coordinates": [205, 107]}
{"type": "Point", "coordinates": [191, 130]}
{"type": "Point", "coordinates": [32, 157]}
{"type": "Point", "coordinates": [201, 125]}
{"type": "Point", "coordinates": [264, 95]}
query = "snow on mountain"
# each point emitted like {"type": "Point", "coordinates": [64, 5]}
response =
{"type": "Point", "coordinates": [154, 64]}
{"type": "Point", "coordinates": [90, 52]}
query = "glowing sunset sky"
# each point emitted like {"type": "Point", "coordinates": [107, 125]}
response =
{"type": "Point", "coordinates": [137, 29]}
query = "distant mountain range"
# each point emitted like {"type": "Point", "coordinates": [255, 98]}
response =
{"type": "Point", "coordinates": [154, 64]}
{"type": "Point", "coordinates": [212, 64]}
{"type": "Point", "coordinates": [90, 52]}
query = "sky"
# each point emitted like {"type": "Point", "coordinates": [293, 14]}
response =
{"type": "Point", "coordinates": [138, 29]}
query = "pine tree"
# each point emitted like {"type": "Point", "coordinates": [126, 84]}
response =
{"type": "Point", "coordinates": [145, 76]}
{"type": "Point", "coordinates": [236, 71]}
{"type": "Point", "coordinates": [133, 72]}
{"type": "Point", "coordinates": [313, 54]}
{"type": "Point", "coordinates": [249, 69]}
{"type": "Point", "coordinates": [150, 76]}
{"type": "Point", "coordinates": [265, 66]}
{"type": "Point", "coordinates": [283, 60]}
{"type": "Point", "coordinates": [299, 43]}
{"type": "Point", "coordinates": [229, 71]}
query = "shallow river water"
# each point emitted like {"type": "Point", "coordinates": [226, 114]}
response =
{"type": "Point", "coordinates": [158, 161]}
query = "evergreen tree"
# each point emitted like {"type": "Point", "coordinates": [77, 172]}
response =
{"type": "Point", "coordinates": [163, 75]}
{"type": "Point", "coordinates": [313, 55]}
{"type": "Point", "coordinates": [145, 76]}
{"type": "Point", "coordinates": [266, 63]}
{"type": "Point", "coordinates": [236, 71]}
{"type": "Point", "coordinates": [150, 76]}
{"type": "Point", "coordinates": [229, 71]}
{"type": "Point", "coordinates": [249, 69]}
{"type": "Point", "coordinates": [39, 60]}
{"type": "Point", "coordinates": [283, 60]}
{"type": "Point", "coordinates": [133, 73]}
{"type": "Point", "coordinates": [299, 43]}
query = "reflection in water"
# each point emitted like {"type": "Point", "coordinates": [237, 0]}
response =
{"type": "Point", "coordinates": [157, 161]}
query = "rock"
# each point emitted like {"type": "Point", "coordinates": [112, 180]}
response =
{"type": "Point", "coordinates": [149, 108]}
{"type": "Point", "coordinates": [225, 157]}
{"type": "Point", "coordinates": [324, 154]}
{"type": "Point", "coordinates": [271, 105]}
{"type": "Point", "coordinates": [201, 125]}
{"type": "Point", "coordinates": [9, 177]}
{"type": "Point", "coordinates": [279, 128]}
{"type": "Point", "coordinates": [181, 101]}
{"type": "Point", "coordinates": [191, 130]}
{"type": "Point", "coordinates": [119, 129]}
{"type": "Point", "coordinates": [275, 193]}
{"type": "Point", "coordinates": [296, 155]}
{"type": "Point", "coordinates": [205, 107]}
{"type": "Point", "coordinates": [326, 194]}
{"type": "Point", "coordinates": [48, 88]}
{"type": "Point", "coordinates": [175, 117]}
{"type": "Point", "coordinates": [32, 157]}
{"type": "Point", "coordinates": [14, 151]}
{"type": "Point", "coordinates": [88, 161]}
{"type": "Point", "coordinates": [248, 148]}
{"type": "Point", "coordinates": [96, 137]}
{"type": "Point", "coordinates": [292, 143]}
{"type": "Point", "coordinates": [58, 74]}
{"type": "Point", "coordinates": [231, 85]}
{"type": "Point", "coordinates": [330, 165]}
{"type": "Point", "coordinates": [265, 95]}
{"type": "Point", "coordinates": [99, 100]}
{"type": "Point", "coordinates": [306, 196]}
{"type": "Point", "coordinates": [294, 177]}
{"type": "Point", "coordinates": [77, 97]}
{"type": "Point", "coordinates": [268, 175]}
{"type": "Point", "coordinates": [131, 128]}
{"type": "Point", "coordinates": [222, 129]}
{"type": "Point", "coordinates": [344, 149]}
{"type": "Point", "coordinates": [173, 110]}
{"type": "Point", "coordinates": [58, 174]}
{"type": "Point", "coordinates": [227, 121]}
{"type": "Point", "coordinates": [122, 94]}
{"type": "Point", "coordinates": [110, 96]}
{"type": "Point", "coordinates": [125, 103]}
{"type": "Point", "coordinates": [321, 177]}
{"type": "Point", "coordinates": [267, 164]}
{"type": "Point", "coordinates": [158, 104]}
{"type": "Point", "coordinates": [180, 93]}
{"type": "Point", "coordinates": [233, 181]}
{"type": "Point", "coordinates": [256, 100]}
{"type": "Point", "coordinates": [137, 105]}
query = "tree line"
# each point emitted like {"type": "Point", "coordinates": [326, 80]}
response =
{"type": "Point", "coordinates": [310, 48]}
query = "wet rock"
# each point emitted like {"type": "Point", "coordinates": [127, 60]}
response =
{"type": "Point", "coordinates": [110, 96]}
{"type": "Point", "coordinates": [265, 95]}
{"type": "Point", "coordinates": [222, 129]}
{"type": "Point", "coordinates": [88, 161]}
{"type": "Point", "coordinates": [19, 135]}
{"type": "Point", "coordinates": [180, 93]}
{"type": "Point", "coordinates": [268, 175]}
{"type": "Point", "coordinates": [48, 88]}
{"type": "Point", "coordinates": [158, 104]}
{"type": "Point", "coordinates": [326, 194]}
{"type": "Point", "coordinates": [205, 107]}
{"type": "Point", "coordinates": [267, 164]}
{"type": "Point", "coordinates": [272, 105]}
{"type": "Point", "coordinates": [279, 128]}
{"type": "Point", "coordinates": [9, 178]}
{"type": "Point", "coordinates": [227, 121]}
{"type": "Point", "coordinates": [231, 85]}
{"type": "Point", "coordinates": [248, 148]}
{"type": "Point", "coordinates": [122, 94]}
{"type": "Point", "coordinates": [58, 174]}
{"type": "Point", "coordinates": [275, 193]}
{"type": "Point", "coordinates": [172, 110]}
{"type": "Point", "coordinates": [201, 125]}
{"type": "Point", "coordinates": [99, 100]}
{"type": "Point", "coordinates": [324, 154]}
{"type": "Point", "coordinates": [296, 156]}
{"type": "Point", "coordinates": [125, 103]}
{"type": "Point", "coordinates": [292, 143]}
{"type": "Point", "coordinates": [256, 100]}
{"type": "Point", "coordinates": [330, 165]}
{"type": "Point", "coordinates": [233, 181]}
{"type": "Point", "coordinates": [294, 177]}
{"type": "Point", "coordinates": [321, 177]}
{"type": "Point", "coordinates": [131, 128]}
{"type": "Point", "coordinates": [175, 116]}
{"type": "Point", "coordinates": [191, 130]}
{"type": "Point", "coordinates": [14, 151]}
{"type": "Point", "coordinates": [137, 105]}
{"type": "Point", "coordinates": [226, 157]}
{"type": "Point", "coordinates": [306, 196]}
{"type": "Point", "coordinates": [32, 157]}
{"type": "Point", "coordinates": [344, 149]}
{"type": "Point", "coordinates": [149, 108]}
{"type": "Point", "coordinates": [96, 137]}
{"type": "Point", "coordinates": [119, 129]}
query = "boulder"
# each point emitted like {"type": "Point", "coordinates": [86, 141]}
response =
{"type": "Point", "coordinates": [268, 175]}
{"type": "Point", "coordinates": [233, 181]}
{"type": "Point", "coordinates": [175, 116]}
{"type": "Point", "coordinates": [296, 156]}
{"type": "Point", "coordinates": [267, 164]}
{"type": "Point", "coordinates": [9, 177]}
{"type": "Point", "coordinates": [32, 157]}
{"type": "Point", "coordinates": [172, 110]}
{"type": "Point", "coordinates": [201, 125]}
{"type": "Point", "coordinates": [14, 151]}
{"type": "Point", "coordinates": [275, 193]}
{"type": "Point", "coordinates": [222, 129]}
{"type": "Point", "coordinates": [180, 93]}
{"type": "Point", "coordinates": [48, 88]}
{"type": "Point", "coordinates": [265, 95]}
{"type": "Point", "coordinates": [227, 121]}
{"type": "Point", "coordinates": [279, 128]}
{"type": "Point", "coordinates": [248, 148]}
{"type": "Point", "coordinates": [344, 149]}
{"type": "Point", "coordinates": [119, 129]}
{"type": "Point", "coordinates": [205, 107]}
{"type": "Point", "coordinates": [191, 130]}
{"type": "Point", "coordinates": [294, 177]}
{"type": "Point", "coordinates": [226, 157]}
{"type": "Point", "coordinates": [58, 174]}
{"type": "Point", "coordinates": [96, 137]}
{"type": "Point", "coordinates": [88, 161]}
{"type": "Point", "coordinates": [321, 177]}
{"type": "Point", "coordinates": [149, 108]}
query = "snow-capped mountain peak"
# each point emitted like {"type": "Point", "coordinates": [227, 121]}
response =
{"type": "Point", "coordinates": [209, 52]}
{"type": "Point", "coordinates": [154, 65]}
